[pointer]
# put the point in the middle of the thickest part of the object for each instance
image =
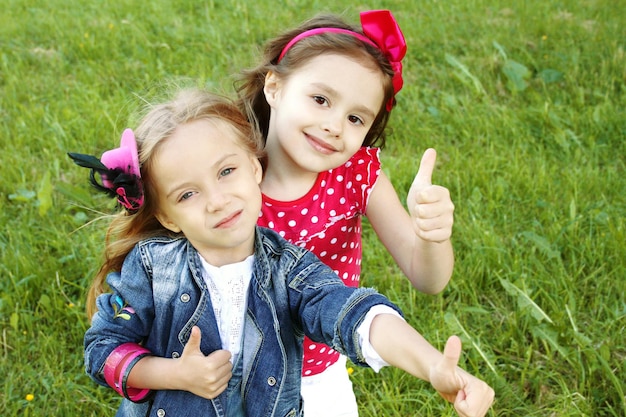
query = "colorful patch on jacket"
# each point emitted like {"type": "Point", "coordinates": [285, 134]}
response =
{"type": "Point", "coordinates": [121, 308]}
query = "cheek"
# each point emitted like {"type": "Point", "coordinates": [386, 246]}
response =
{"type": "Point", "coordinates": [287, 116]}
{"type": "Point", "coordinates": [254, 202]}
{"type": "Point", "coordinates": [356, 141]}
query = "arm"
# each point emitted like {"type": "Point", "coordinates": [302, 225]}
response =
{"type": "Point", "coordinates": [403, 347]}
{"type": "Point", "coordinates": [419, 243]}
{"type": "Point", "coordinates": [335, 314]}
{"type": "Point", "coordinates": [115, 357]}
{"type": "Point", "coordinates": [205, 376]}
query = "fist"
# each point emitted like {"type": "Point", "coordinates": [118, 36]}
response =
{"type": "Point", "coordinates": [430, 206]}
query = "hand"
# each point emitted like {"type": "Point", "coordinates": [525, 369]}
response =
{"type": "Point", "coordinates": [430, 205]}
{"type": "Point", "coordinates": [205, 376]}
{"type": "Point", "coordinates": [471, 396]}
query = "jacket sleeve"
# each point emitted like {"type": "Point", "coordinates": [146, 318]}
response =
{"type": "Point", "coordinates": [329, 311]}
{"type": "Point", "coordinates": [124, 315]}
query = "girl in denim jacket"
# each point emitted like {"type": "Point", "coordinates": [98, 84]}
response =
{"type": "Point", "coordinates": [203, 313]}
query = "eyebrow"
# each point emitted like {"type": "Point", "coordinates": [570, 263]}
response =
{"type": "Point", "coordinates": [332, 92]}
{"type": "Point", "coordinates": [176, 186]}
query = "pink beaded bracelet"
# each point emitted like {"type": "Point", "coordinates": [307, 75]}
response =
{"type": "Point", "coordinates": [118, 365]}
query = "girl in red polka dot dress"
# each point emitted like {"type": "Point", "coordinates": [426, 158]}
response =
{"type": "Point", "coordinates": [322, 96]}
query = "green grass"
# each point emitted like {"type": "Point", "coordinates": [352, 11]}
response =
{"type": "Point", "coordinates": [524, 102]}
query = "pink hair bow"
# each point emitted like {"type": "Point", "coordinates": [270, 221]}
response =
{"type": "Point", "coordinates": [381, 31]}
{"type": "Point", "coordinates": [119, 171]}
{"type": "Point", "coordinates": [381, 27]}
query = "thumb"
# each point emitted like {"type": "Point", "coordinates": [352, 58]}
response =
{"type": "Point", "coordinates": [451, 354]}
{"type": "Point", "coordinates": [193, 344]}
{"type": "Point", "coordinates": [424, 175]}
{"type": "Point", "coordinates": [445, 376]}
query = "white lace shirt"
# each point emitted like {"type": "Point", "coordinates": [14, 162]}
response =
{"type": "Point", "coordinates": [228, 287]}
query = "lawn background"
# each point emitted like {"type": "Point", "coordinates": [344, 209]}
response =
{"type": "Point", "coordinates": [524, 102]}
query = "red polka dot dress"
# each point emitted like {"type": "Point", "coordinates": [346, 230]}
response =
{"type": "Point", "coordinates": [327, 221]}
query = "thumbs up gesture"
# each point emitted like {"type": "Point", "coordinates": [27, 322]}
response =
{"type": "Point", "coordinates": [430, 205]}
{"type": "Point", "coordinates": [206, 376]}
{"type": "Point", "coordinates": [471, 396]}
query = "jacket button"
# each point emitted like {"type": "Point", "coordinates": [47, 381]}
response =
{"type": "Point", "coordinates": [161, 412]}
{"type": "Point", "coordinates": [175, 355]}
{"type": "Point", "coordinates": [271, 381]}
{"type": "Point", "coordinates": [185, 298]}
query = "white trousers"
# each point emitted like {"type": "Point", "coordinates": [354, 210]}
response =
{"type": "Point", "coordinates": [329, 394]}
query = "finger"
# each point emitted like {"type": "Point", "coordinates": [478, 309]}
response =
{"type": "Point", "coordinates": [478, 405]}
{"type": "Point", "coordinates": [193, 344]}
{"type": "Point", "coordinates": [220, 358]}
{"type": "Point", "coordinates": [220, 365]}
{"type": "Point", "coordinates": [436, 235]}
{"type": "Point", "coordinates": [216, 389]}
{"type": "Point", "coordinates": [452, 353]}
{"type": "Point", "coordinates": [433, 194]}
{"type": "Point", "coordinates": [221, 369]}
{"type": "Point", "coordinates": [425, 172]}
{"type": "Point", "coordinates": [434, 201]}
{"type": "Point", "coordinates": [475, 398]}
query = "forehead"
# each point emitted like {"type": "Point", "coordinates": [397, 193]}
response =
{"type": "Point", "coordinates": [337, 62]}
{"type": "Point", "coordinates": [344, 75]}
{"type": "Point", "coordinates": [200, 141]}
{"type": "Point", "coordinates": [205, 132]}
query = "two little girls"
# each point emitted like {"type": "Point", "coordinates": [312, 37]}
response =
{"type": "Point", "coordinates": [205, 311]}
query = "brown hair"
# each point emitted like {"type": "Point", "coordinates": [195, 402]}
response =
{"type": "Point", "coordinates": [158, 124]}
{"type": "Point", "coordinates": [251, 82]}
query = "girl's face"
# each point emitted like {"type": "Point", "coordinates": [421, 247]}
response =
{"type": "Point", "coordinates": [321, 113]}
{"type": "Point", "coordinates": [208, 189]}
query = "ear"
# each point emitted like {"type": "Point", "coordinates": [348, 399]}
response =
{"type": "Point", "coordinates": [271, 88]}
{"type": "Point", "coordinates": [257, 169]}
{"type": "Point", "coordinates": [167, 223]}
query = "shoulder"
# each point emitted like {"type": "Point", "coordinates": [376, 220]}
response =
{"type": "Point", "coordinates": [363, 155]}
{"type": "Point", "coordinates": [274, 251]}
{"type": "Point", "coordinates": [271, 243]}
{"type": "Point", "coordinates": [281, 261]}
{"type": "Point", "coordinates": [364, 165]}
{"type": "Point", "coordinates": [163, 249]}
{"type": "Point", "coordinates": [361, 172]}
{"type": "Point", "coordinates": [162, 243]}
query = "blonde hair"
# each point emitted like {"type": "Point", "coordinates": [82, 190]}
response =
{"type": "Point", "coordinates": [158, 124]}
{"type": "Point", "coordinates": [251, 82]}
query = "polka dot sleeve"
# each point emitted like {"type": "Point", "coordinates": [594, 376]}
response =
{"type": "Point", "coordinates": [362, 171]}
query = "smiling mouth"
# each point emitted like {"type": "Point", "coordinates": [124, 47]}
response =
{"type": "Point", "coordinates": [320, 146]}
{"type": "Point", "coordinates": [228, 221]}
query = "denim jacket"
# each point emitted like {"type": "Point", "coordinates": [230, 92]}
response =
{"type": "Point", "coordinates": [160, 295]}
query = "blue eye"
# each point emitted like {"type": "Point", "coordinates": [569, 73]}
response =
{"type": "Point", "coordinates": [186, 195]}
{"type": "Point", "coordinates": [226, 172]}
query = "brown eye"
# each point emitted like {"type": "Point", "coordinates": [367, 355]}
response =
{"type": "Point", "coordinates": [355, 120]}
{"type": "Point", "coordinates": [321, 100]}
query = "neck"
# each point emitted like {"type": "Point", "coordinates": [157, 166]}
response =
{"type": "Point", "coordinates": [284, 180]}
{"type": "Point", "coordinates": [287, 185]}
{"type": "Point", "coordinates": [226, 255]}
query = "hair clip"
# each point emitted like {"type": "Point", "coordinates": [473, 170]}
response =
{"type": "Point", "coordinates": [119, 171]}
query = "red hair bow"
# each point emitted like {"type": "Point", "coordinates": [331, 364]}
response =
{"type": "Point", "coordinates": [381, 27]}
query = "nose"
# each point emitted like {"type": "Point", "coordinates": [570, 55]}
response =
{"type": "Point", "coordinates": [333, 124]}
{"type": "Point", "coordinates": [217, 200]}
